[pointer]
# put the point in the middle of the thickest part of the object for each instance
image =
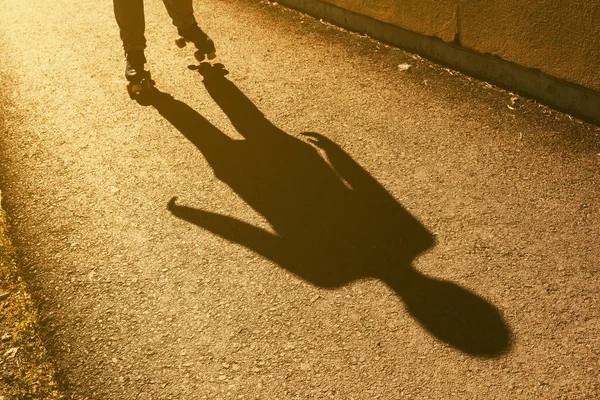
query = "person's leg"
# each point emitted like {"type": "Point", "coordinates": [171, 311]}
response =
{"type": "Point", "coordinates": [182, 14]}
{"type": "Point", "coordinates": [130, 18]}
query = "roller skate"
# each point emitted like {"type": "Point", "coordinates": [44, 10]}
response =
{"type": "Point", "coordinates": [138, 77]}
{"type": "Point", "coordinates": [204, 44]}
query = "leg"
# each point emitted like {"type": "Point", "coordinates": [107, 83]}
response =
{"type": "Point", "coordinates": [181, 12]}
{"type": "Point", "coordinates": [130, 18]}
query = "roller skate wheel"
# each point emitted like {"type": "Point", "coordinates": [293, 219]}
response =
{"type": "Point", "coordinates": [180, 42]}
{"type": "Point", "coordinates": [211, 56]}
{"type": "Point", "coordinates": [136, 87]}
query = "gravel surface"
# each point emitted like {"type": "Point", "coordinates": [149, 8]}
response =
{"type": "Point", "coordinates": [310, 219]}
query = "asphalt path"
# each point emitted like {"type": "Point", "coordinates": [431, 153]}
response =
{"type": "Point", "coordinates": [303, 218]}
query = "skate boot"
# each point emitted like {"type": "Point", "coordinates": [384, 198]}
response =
{"type": "Point", "coordinates": [138, 77]}
{"type": "Point", "coordinates": [204, 44]}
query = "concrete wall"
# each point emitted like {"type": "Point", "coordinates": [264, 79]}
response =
{"type": "Point", "coordinates": [548, 50]}
{"type": "Point", "coordinates": [559, 37]}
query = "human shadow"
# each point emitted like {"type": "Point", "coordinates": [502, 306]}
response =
{"type": "Point", "coordinates": [333, 222]}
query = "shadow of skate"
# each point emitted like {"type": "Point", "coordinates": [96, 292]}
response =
{"type": "Point", "coordinates": [334, 222]}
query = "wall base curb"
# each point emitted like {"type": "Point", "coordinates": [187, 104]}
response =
{"type": "Point", "coordinates": [565, 96]}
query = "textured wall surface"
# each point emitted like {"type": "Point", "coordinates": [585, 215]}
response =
{"type": "Point", "coordinates": [558, 37]}
{"type": "Point", "coordinates": [428, 17]}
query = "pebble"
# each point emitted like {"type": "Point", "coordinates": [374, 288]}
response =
{"type": "Point", "coordinates": [305, 366]}
{"type": "Point", "coordinates": [403, 67]}
{"type": "Point", "coordinates": [12, 352]}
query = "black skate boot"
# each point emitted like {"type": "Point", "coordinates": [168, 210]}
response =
{"type": "Point", "coordinates": [204, 44]}
{"type": "Point", "coordinates": [138, 77]}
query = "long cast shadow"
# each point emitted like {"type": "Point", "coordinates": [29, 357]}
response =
{"type": "Point", "coordinates": [334, 222]}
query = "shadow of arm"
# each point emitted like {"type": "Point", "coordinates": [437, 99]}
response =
{"type": "Point", "coordinates": [236, 231]}
{"type": "Point", "coordinates": [382, 205]}
{"type": "Point", "coordinates": [356, 176]}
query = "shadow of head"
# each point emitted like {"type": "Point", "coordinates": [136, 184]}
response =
{"type": "Point", "coordinates": [455, 315]}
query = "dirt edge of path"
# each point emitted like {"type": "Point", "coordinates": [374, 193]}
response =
{"type": "Point", "coordinates": [26, 369]}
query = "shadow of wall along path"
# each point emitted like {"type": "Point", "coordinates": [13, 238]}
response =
{"type": "Point", "coordinates": [334, 222]}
